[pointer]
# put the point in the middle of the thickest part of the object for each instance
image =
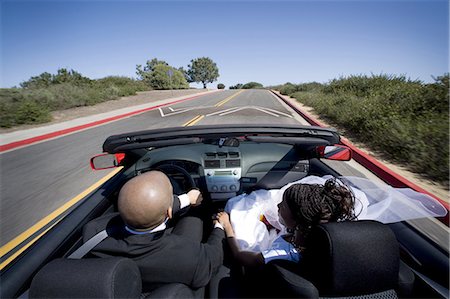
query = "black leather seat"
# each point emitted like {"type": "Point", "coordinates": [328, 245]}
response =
{"type": "Point", "coordinates": [87, 278]}
{"type": "Point", "coordinates": [100, 278]}
{"type": "Point", "coordinates": [345, 259]}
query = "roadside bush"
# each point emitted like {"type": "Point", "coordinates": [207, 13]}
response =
{"type": "Point", "coordinates": [220, 86]}
{"type": "Point", "coordinates": [67, 89]}
{"type": "Point", "coordinates": [406, 120]}
{"type": "Point", "coordinates": [62, 76]}
{"type": "Point", "coordinates": [288, 88]}
{"type": "Point", "coordinates": [237, 86]}
{"type": "Point", "coordinates": [16, 109]}
{"type": "Point", "coordinates": [251, 85]}
{"type": "Point", "coordinates": [31, 112]}
{"type": "Point", "coordinates": [125, 86]}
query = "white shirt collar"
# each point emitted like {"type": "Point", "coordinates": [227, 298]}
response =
{"type": "Point", "coordinates": [160, 227]}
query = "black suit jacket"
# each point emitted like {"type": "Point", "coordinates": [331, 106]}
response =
{"type": "Point", "coordinates": [162, 257]}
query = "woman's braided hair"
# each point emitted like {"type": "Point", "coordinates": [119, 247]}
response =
{"type": "Point", "coordinates": [311, 204]}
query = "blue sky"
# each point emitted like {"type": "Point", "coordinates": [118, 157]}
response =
{"type": "Point", "coordinates": [270, 42]}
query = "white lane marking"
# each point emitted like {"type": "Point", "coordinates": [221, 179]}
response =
{"type": "Point", "coordinates": [279, 112]}
{"type": "Point", "coordinates": [296, 116]}
{"type": "Point", "coordinates": [236, 109]}
{"type": "Point", "coordinates": [224, 112]}
{"type": "Point", "coordinates": [219, 112]}
{"type": "Point", "coordinates": [182, 110]}
{"type": "Point", "coordinates": [265, 111]}
{"type": "Point", "coordinates": [262, 109]}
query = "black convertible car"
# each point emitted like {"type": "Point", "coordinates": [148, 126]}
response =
{"type": "Point", "coordinates": [361, 259]}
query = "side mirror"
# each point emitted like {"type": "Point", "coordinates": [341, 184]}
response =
{"type": "Point", "coordinates": [335, 152]}
{"type": "Point", "coordinates": [105, 161]}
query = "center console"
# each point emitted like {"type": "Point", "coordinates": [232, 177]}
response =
{"type": "Point", "coordinates": [222, 173]}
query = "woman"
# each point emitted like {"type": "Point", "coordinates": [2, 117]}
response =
{"type": "Point", "coordinates": [303, 206]}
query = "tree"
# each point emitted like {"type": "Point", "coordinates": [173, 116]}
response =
{"type": "Point", "coordinates": [203, 70]}
{"type": "Point", "coordinates": [220, 86]}
{"type": "Point", "coordinates": [148, 68]}
{"type": "Point", "coordinates": [156, 74]}
{"type": "Point", "coordinates": [185, 74]}
{"type": "Point", "coordinates": [160, 79]}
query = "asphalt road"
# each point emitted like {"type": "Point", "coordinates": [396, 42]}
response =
{"type": "Point", "coordinates": [39, 178]}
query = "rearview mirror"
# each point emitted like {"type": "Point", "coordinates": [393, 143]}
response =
{"type": "Point", "coordinates": [335, 152]}
{"type": "Point", "coordinates": [105, 161]}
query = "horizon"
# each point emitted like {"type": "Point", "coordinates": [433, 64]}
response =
{"type": "Point", "coordinates": [262, 41]}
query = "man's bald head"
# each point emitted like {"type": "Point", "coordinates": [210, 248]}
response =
{"type": "Point", "coordinates": [146, 200]}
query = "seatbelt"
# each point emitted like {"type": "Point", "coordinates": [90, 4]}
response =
{"type": "Point", "coordinates": [89, 245]}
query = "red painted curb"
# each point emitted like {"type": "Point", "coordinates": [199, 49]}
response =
{"type": "Point", "coordinates": [372, 164]}
{"type": "Point", "coordinates": [32, 140]}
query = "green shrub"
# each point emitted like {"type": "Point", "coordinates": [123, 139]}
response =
{"type": "Point", "coordinates": [16, 109]}
{"type": "Point", "coordinates": [406, 120]}
{"type": "Point", "coordinates": [289, 88]}
{"type": "Point", "coordinates": [125, 86]}
{"type": "Point", "coordinates": [251, 85]}
{"type": "Point", "coordinates": [62, 76]}
{"type": "Point", "coordinates": [220, 86]}
{"type": "Point", "coordinates": [31, 112]}
{"type": "Point", "coordinates": [67, 89]}
{"type": "Point", "coordinates": [237, 86]}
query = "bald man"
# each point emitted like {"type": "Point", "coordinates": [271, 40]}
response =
{"type": "Point", "coordinates": [163, 254]}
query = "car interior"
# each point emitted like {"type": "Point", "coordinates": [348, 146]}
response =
{"type": "Point", "coordinates": [358, 259]}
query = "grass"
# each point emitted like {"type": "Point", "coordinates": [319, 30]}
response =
{"type": "Point", "coordinates": [407, 121]}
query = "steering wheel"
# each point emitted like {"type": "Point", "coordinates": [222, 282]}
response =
{"type": "Point", "coordinates": [188, 182]}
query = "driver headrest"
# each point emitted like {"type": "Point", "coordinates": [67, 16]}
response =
{"type": "Point", "coordinates": [352, 257]}
{"type": "Point", "coordinates": [87, 278]}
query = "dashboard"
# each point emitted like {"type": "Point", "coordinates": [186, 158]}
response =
{"type": "Point", "coordinates": [228, 171]}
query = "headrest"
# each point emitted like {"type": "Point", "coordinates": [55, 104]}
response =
{"type": "Point", "coordinates": [351, 258]}
{"type": "Point", "coordinates": [87, 278]}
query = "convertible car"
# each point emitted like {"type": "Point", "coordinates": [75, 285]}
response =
{"type": "Point", "coordinates": [358, 259]}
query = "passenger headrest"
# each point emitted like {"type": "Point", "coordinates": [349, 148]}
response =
{"type": "Point", "coordinates": [87, 278]}
{"type": "Point", "coordinates": [352, 257]}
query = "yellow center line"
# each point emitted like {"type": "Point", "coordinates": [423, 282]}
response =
{"type": "Point", "coordinates": [197, 118]}
{"type": "Point", "coordinates": [191, 121]}
{"type": "Point", "coordinates": [46, 220]}
{"type": "Point", "coordinates": [228, 99]}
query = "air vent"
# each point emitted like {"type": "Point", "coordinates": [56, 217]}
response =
{"type": "Point", "coordinates": [233, 154]}
{"type": "Point", "coordinates": [212, 163]}
{"type": "Point", "coordinates": [222, 155]}
{"type": "Point", "coordinates": [210, 155]}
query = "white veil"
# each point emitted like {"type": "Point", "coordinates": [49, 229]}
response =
{"type": "Point", "coordinates": [374, 201]}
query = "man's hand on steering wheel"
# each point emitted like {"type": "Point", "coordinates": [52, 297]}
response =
{"type": "Point", "coordinates": [195, 197]}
